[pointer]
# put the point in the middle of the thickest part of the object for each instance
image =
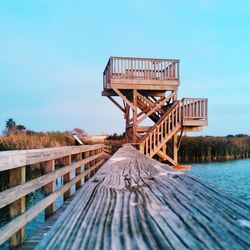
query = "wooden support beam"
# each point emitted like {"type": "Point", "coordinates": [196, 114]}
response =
{"type": "Point", "coordinates": [157, 106]}
{"type": "Point", "coordinates": [145, 109]}
{"type": "Point", "coordinates": [16, 177]}
{"type": "Point", "coordinates": [150, 103]}
{"type": "Point", "coordinates": [124, 98]}
{"type": "Point", "coordinates": [165, 157]}
{"type": "Point", "coordinates": [116, 103]}
{"type": "Point", "coordinates": [135, 115]}
{"type": "Point", "coordinates": [49, 166]}
{"type": "Point", "coordinates": [192, 129]}
{"type": "Point", "coordinates": [142, 129]}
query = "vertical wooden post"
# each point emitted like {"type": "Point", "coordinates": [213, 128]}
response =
{"type": "Point", "coordinates": [135, 115]}
{"type": "Point", "coordinates": [16, 177]}
{"type": "Point", "coordinates": [86, 166]}
{"type": "Point", "coordinates": [92, 163]}
{"type": "Point", "coordinates": [127, 126]}
{"type": "Point", "coordinates": [78, 170]}
{"type": "Point", "coordinates": [97, 159]}
{"type": "Point", "coordinates": [49, 166]}
{"type": "Point", "coordinates": [175, 148]}
{"type": "Point", "coordinates": [66, 177]}
{"type": "Point", "coordinates": [100, 150]}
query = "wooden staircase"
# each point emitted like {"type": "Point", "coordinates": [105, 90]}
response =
{"type": "Point", "coordinates": [156, 138]}
{"type": "Point", "coordinates": [180, 114]}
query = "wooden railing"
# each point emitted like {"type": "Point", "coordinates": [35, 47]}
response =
{"type": "Point", "coordinates": [171, 122]}
{"type": "Point", "coordinates": [194, 108]}
{"type": "Point", "coordinates": [77, 165]}
{"type": "Point", "coordinates": [140, 68]}
{"type": "Point", "coordinates": [162, 131]}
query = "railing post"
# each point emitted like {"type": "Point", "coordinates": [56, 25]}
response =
{"type": "Point", "coordinates": [111, 69]}
{"type": "Point", "coordinates": [49, 166]}
{"type": "Point", "coordinates": [17, 177]}
{"type": "Point", "coordinates": [86, 166]}
{"type": "Point", "coordinates": [66, 177]}
{"type": "Point", "coordinates": [78, 170]}
{"type": "Point", "coordinates": [92, 163]}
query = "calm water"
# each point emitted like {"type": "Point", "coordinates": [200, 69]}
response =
{"type": "Point", "coordinates": [233, 177]}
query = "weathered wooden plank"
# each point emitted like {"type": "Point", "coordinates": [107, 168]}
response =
{"type": "Point", "coordinates": [18, 158]}
{"type": "Point", "coordinates": [135, 202]}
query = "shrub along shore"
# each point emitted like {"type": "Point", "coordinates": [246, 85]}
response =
{"type": "Point", "coordinates": [24, 140]}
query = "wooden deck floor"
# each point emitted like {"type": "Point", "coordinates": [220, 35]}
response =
{"type": "Point", "coordinates": [135, 202]}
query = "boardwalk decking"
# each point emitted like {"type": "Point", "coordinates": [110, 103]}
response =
{"type": "Point", "coordinates": [134, 202]}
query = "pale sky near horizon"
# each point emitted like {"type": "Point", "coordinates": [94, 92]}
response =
{"type": "Point", "coordinates": [53, 52]}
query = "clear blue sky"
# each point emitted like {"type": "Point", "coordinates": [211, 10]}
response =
{"type": "Point", "coordinates": [53, 52]}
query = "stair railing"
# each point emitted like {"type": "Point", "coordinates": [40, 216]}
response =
{"type": "Point", "coordinates": [162, 130]}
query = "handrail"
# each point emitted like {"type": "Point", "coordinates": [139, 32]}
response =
{"type": "Point", "coordinates": [194, 108]}
{"type": "Point", "coordinates": [162, 130]}
{"type": "Point", "coordinates": [171, 122]}
{"type": "Point", "coordinates": [140, 68]}
{"type": "Point", "coordinates": [83, 161]}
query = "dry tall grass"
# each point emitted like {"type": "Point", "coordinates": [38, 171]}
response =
{"type": "Point", "coordinates": [24, 140]}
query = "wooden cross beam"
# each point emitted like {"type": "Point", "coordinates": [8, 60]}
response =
{"type": "Point", "coordinates": [151, 104]}
{"type": "Point", "coordinates": [152, 110]}
{"type": "Point", "coordinates": [165, 157]}
{"type": "Point", "coordinates": [116, 103]}
{"type": "Point", "coordinates": [119, 93]}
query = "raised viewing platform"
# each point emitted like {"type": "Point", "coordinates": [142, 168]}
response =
{"type": "Point", "coordinates": [147, 92]}
{"type": "Point", "coordinates": [141, 73]}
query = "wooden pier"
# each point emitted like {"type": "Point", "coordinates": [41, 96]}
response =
{"type": "Point", "coordinates": [135, 202]}
{"type": "Point", "coordinates": [131, 201]}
